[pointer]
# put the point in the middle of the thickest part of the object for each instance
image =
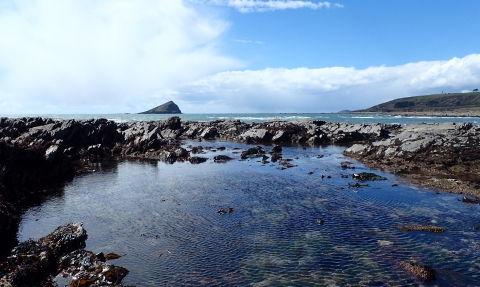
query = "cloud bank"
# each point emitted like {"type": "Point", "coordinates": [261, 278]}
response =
{"type": "Point", "coordinates": [326, 89]}
{"type": "Point", "coordinates": [102, 56]}
{"type": "Point", "coordinates": [246, 6]}
{"type": "Point", "coordinates": [115, 56]}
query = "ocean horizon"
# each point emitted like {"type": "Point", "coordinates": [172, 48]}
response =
{"type": "Point", "coordinates": [353, 118]}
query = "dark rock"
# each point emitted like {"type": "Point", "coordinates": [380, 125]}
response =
{"type": "Point", "coordinates": [275, 157]}
{"type": "Point", "coordinates": [424, 272]}
{"type": "Point", "coordinates": [470, 200]}
{"type": "Point", "coordinates": [363, 176]}
{"type": "Point", "coordinates": [32, 262]}
{"type": "Point", "coordinates": [421, 227]}
{"type": "Point", "coordinates": [275, 149]}
{"type": "Point", "coordinates": [222, 158]}
{"type": "Point", "coordinates": [253, 152]}
{"type": "Point", "coordinates": [197, 159]}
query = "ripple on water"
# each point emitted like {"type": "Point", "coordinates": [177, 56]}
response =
{"type": "Point", "coordinates": [163, 219]}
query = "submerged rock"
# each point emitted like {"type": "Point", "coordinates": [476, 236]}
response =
{"type": "Point", "coordinates": [420, 227]}
{"type": "Point", "coordinates": [424, 272]}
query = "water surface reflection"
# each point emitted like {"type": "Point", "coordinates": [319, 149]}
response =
{"type": "Point", "coordinates": [163, 219]}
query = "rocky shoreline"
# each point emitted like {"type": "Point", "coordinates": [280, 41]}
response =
{"type": "Point", "coordinates": [38, 152]}
{"type": "Point", "coordinates": [438, 156]}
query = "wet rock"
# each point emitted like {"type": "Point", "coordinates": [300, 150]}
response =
{"type": "Point", "coordinates": [253, 152]}
{"type": "Point", "coordinates": [33, 262]}
{"type": "Point", "coordinates": [265, 159]}
{"type": "Point", "coordinates": [426, 228]}
{"type": "Point", "coordinates": [112, 256]}
{"type": "Point", "coordinates": [357, 185]}
{"type": "Point", "coordinates": [197, 149]}
{"type": "Point", "coordinates": [347, 165]}
{"type": "Point", "coordinates": [66, 238]}
{"type": "Point", "coordinates": [423, 272]}
{"type": "Point", "coordinates": [87, 269]}
{"type": "Point", "coordinates": [286, 163]}
{"type": "Point", "coordinates": [363, 176]}
{"type": "Point", "coordinates": [470, 200]}
{"type": "Point", "coordinates": [275, 150]}
{"type": "Point", "coordinates": [222, 158]}
{"type": "Point", "coordinates": [197, 159]}
{"type": "Point", "coordinates": [95, 149]}
{"type": "Point", "coordinates": [275, 157]}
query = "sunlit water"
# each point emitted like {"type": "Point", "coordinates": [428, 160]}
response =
{"type": "Point", "coordinates": [163, 219]}
{"type": "Point", "coordinates": [259, 117]}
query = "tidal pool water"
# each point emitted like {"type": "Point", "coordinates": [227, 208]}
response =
{"type": "Point", "coordinates": [163, 219]}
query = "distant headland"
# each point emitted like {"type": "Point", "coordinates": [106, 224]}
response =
{"type": "Point", "coordinates": [448, 104]}
{"type": "Point", "coordinates": [167, 108]}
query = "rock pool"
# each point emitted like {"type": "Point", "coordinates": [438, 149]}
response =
{"type": "Point", "coordinates": [302, 226]}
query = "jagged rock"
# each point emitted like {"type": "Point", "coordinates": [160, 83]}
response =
{"type": "Point", "coordinates": [89, 269]}
{"type": "Point", "coordinates": [436, 150]}
{"type": "Point", "coordinates": [222, 158]}
{"type": "Point", "coordinates": [253, 152]}
{"type": "Point", "coordinates": [33, 262]}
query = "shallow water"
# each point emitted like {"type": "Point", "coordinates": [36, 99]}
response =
{"type": "Point", "coordinates": [163, 219]}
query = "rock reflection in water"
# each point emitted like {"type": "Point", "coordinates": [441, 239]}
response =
{"type": "Point", "coordinates": [163, 220]}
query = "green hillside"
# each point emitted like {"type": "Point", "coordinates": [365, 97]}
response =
{"type": "Point", "coordinates": [167, 108]}
{"type": "Point", "coordinates": [430, 103]}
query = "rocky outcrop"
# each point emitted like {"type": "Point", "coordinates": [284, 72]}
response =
{"type": "Point", "coordinates": [37, 152]}
{"type": "Point", "coordinates": [444, 156]}
{"type": "Point", "coordinates": [32, 263]}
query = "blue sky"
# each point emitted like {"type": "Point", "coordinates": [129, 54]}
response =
{"type": "Point", "coordinates": [116, 56]}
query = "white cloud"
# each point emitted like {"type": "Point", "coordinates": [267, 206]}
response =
{"type": "Point", "coordinates": [114, 56]}
{"type": "Point", "coordinates": [76, 55]}
{"type": "Point", "coordinates": [246, 6]}
{"type": "Point", "coordinates": [249, 41]}
{"type": "Point", "coordinates": [326, 89]}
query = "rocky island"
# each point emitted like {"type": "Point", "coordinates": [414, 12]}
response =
{"type": "Point", "coordinates": [167, 108]}
{"type": "Point", "coordinates": [37, 152]}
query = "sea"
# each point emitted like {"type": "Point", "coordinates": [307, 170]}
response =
{"type": "Point", "coordinates": [258, 117]}
{"type": "Point", "coordinates": [248, 223]}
